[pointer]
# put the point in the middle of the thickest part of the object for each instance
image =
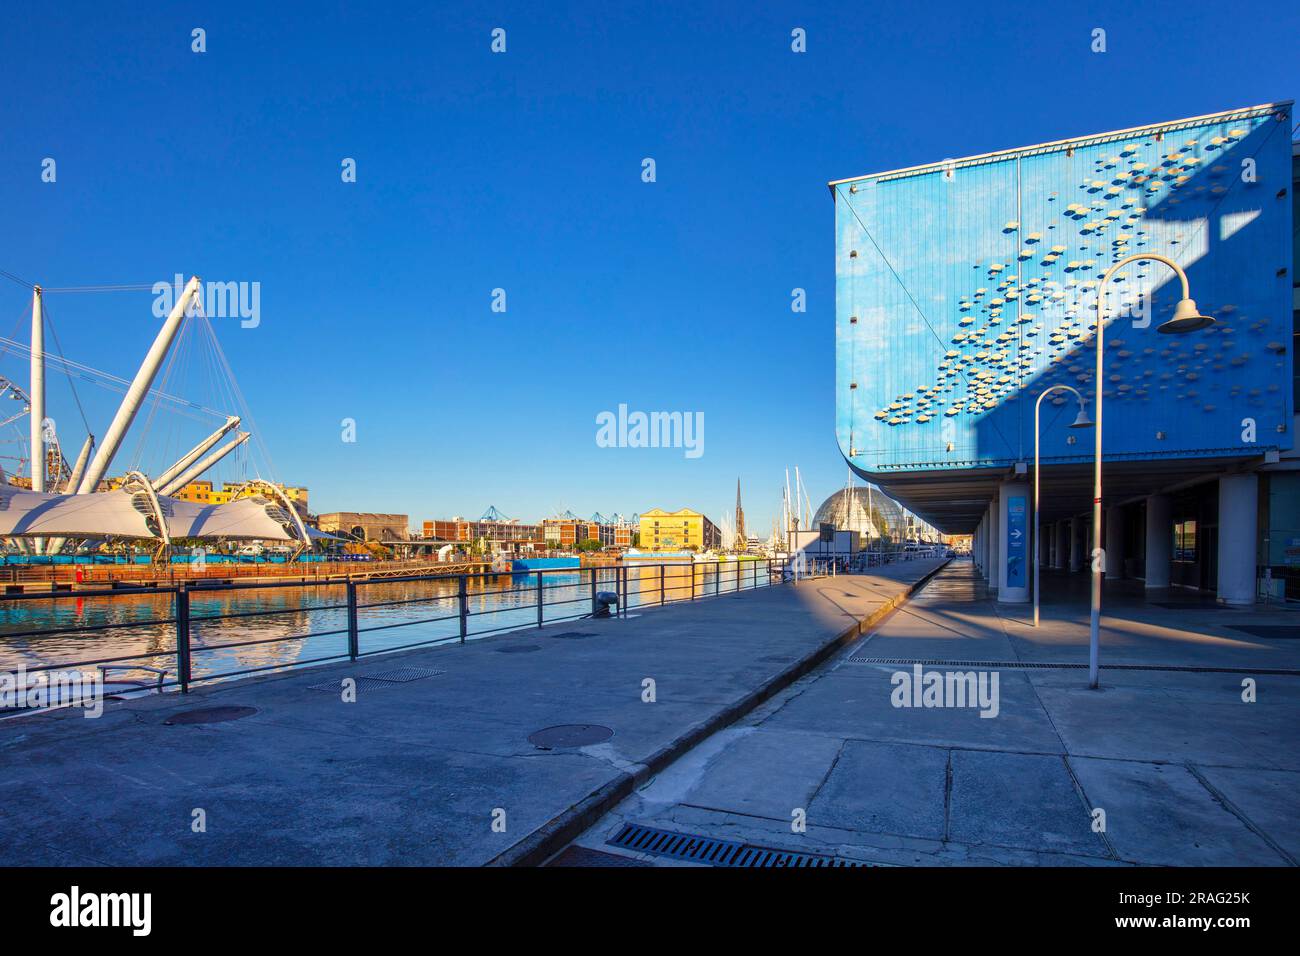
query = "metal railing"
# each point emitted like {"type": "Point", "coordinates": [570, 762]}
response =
{"type": "Point", "coordinates": [861, 561]}
{"type": "Point", "coordinates": [106, 573]}
{"type": "Point", "coordinates": [638, 587]}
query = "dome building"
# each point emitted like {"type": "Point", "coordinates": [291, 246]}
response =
{"type": "Point", "coordinates": [867, 510]}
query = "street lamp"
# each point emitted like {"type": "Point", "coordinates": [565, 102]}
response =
{"type": "Point", "coordinates": [1080, 421]}
{"type": "Point", "coordinates": [1187, 318]}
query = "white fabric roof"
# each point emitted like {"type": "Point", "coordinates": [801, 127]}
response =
{"type": "Point", "coordinates": [254, 517]}
{"type": "Point", "coordinates": [130, 515]}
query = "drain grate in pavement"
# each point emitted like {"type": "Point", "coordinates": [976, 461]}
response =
{"type": "Point", "coordinates": [1282, 632]}
{"type": "Point", "coordinates": [334, 686]}
{"type": "Point", "coordinates": [209, 715]}
{"type": "Point", "coordinates": [573, 635]}
{"type": "Point", "coordinates": [404, 675]}
{"type": "Point", "coordinates": [518, 648]}
{"type": "Point", "coordinates": [380, 679]}
{"type": "Point", "coordinates": [1044, 665]}
{"type": "Point", "coordinates": [711, 852]}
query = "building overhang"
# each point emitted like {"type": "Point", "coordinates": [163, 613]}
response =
{"type": "Point", "coordinates": [955, 501]}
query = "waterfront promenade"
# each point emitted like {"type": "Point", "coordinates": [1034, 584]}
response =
{"type": "Point", "coordinates": [432, 763]}
{"type": "Point", "coordinates": [1187, 771]}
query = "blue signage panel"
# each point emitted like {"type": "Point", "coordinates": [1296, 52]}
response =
{"type": "Point", "coordinates": [1017, 538]}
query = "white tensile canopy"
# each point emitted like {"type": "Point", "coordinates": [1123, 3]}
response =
{"type": "Point", "coordinates": [126, 514]}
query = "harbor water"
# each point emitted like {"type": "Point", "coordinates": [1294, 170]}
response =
{"type": "Point", "coordinates": [296, 624]}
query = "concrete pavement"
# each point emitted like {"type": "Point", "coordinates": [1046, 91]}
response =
{"type": "Point", "coordinates": [1169, 764]}
{"type": "Point", "coordinates": [429, 767]}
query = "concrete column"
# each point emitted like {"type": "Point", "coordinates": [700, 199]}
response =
{"type": "Point", "coordinates": [995, 546]}
{"type": "Point", "coordinates": [984, 546]}
{"type": "Point", "coordinates": [1238, 537]}
{"type": "Point", "coordinates": [1114, 542]}
{"type": "Point", "coordinates": [1013, 572]}
{"type": "Point", "coordinates": [1078, 535]}
{"type": "Point", "coordinates": [1160, 541]}
{"type": "Point", "coordinates": [1062, 545]}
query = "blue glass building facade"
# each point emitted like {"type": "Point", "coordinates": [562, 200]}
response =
{"type": "Point", "coordinates": [965, 288]}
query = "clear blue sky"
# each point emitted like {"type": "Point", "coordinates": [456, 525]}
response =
{"type": "Point", "coordinates": [523, 171]}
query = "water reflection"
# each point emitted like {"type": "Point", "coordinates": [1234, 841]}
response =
{"type": "Point", "coordinates": [315, 615]}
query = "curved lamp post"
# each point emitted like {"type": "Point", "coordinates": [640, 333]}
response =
{"type": "Point", "coordinates": [1187, 318]}
{"type": "Point", "coordinates": [1080, 421]}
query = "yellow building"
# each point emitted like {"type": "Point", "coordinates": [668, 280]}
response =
{"type": "Point", "coordinates": [205, 493]}
{"type": "Point", "coordinates": [678, 530]}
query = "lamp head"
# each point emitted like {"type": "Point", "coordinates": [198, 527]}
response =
{"type": "Point", "coordinates": [1187, 318]}
{"type": "Point", "coordinates": [1081, 420]}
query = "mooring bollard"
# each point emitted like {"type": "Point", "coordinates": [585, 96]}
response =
{"type": "Point", "coordinates": [183, 637]}
{"type": "Point", "coordinates": [352, 620]}
{"type": "Point", "coordinates": [462, 600]}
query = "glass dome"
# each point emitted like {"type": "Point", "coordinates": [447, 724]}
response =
{"type": "Point", "coordinates": [864, 509]}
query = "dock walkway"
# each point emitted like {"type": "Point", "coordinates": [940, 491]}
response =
{"type": "Point", "coordinates": [433, 762]}
{"type": "Point", "coordinates": [1186, 756]}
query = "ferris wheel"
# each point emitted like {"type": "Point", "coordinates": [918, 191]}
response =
{"type": "Point", "coordinates": [15, 444]}
{"type": "Point", "coordinates": [15, 456]}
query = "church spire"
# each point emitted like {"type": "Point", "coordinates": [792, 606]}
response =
{"type": "Point", "coordinates": [742, 541]}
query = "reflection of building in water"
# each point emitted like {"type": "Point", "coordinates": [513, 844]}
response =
{"type": "Point", "coordinates": [864, 509]}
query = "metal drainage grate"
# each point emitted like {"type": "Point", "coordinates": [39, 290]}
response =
{"type": "Point", "coordinates": [379, 679]}
{"type": "Point", "coordinates": [209, 715]}
{"type": "Point", "coordinates": [334, 686]}
{"type": "Point", "coordinates": [1042, 665]}
{"type": "Point", "coordinates": [573, 635]}
{"type": "Point", "coordinates": [711, 852]}
{"type": "Point", "coordinates": [404, 675]}
{"type": "Point", "coordinates": [518, 648]}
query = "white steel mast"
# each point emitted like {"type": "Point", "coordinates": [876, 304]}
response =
{"type": "Point", "coordinates": [189, 474]}
{"type": "Point", "coordinates": [79, 468]}
{"type": "Point", "coordinates": [191, 456]}
{"type": "Point", "coordinates": [36, 403]}
{"type": "Point", "coordinates": [139, 387]}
